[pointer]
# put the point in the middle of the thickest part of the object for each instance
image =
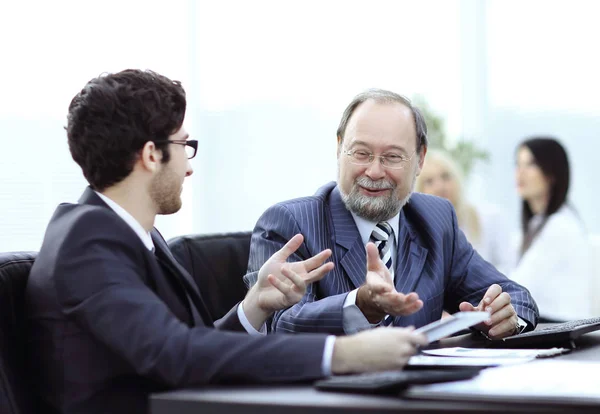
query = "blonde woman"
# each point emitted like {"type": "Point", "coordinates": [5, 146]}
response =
{"type": "Point", "coordinates": [484, 228]}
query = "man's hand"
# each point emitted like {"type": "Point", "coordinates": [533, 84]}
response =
{"type": "Point", "coordinates": [378, 297]}
{"type": "Point", "coordinates": [375, 350]}
{"type": "Point", "coordinates": [503, 321]}
{"type": "Point", "coordinates": [281, 284]}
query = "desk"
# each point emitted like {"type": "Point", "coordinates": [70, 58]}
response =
{"type": "Point", "coordinates": [303, 399]}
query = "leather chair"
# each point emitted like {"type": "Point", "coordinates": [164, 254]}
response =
{"type": "Point", "coordinates": [16, 396]}
{"type": "Point", "coordinates": [217, 262]}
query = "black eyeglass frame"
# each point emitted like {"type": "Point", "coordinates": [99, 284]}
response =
{"type": "Point", "coordinates": [193, 143]}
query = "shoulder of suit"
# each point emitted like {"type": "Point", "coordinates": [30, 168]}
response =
{"type": "Point", "coordinates": [420, 201]}
{"type": "Point", "coordinates": [89, 219]}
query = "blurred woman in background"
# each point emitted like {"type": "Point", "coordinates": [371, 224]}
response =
{"type": "Point", "coordinates": [484, 227]}
{"type": "Point", "coordinates": [554, 258]}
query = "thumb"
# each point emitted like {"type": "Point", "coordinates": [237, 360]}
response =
{"type": "Point", "coordinates": [466, 307]}
{"type": "Point", "coordinates": [373, 259]}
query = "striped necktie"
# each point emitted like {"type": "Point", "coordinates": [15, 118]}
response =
{"type": "Point", "coordinates": [380, 236]}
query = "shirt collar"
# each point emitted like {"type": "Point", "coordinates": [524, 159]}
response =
{"type": "Point", "coordinates": [132, 222]}
{"type": "Point", "coordinates": [365, 227]}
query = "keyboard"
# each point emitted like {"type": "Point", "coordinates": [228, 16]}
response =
{"type": "Point", "coordinates": [391, 381]}
{"type": "Point", "coordinates": [557, 334]}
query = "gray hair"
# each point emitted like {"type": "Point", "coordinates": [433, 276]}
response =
{"type": "Point", "coordinates": [383, 96]}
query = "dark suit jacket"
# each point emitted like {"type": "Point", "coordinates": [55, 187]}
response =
{"type": "Point", "coordinates": [434, 259]}
{"type": "Point", "coordinates": [111, 322]}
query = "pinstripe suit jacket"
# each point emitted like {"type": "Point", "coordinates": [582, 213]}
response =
{"type": "Point", "coordinates": [434, 259]}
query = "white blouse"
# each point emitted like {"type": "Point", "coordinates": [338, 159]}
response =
{"type": "Point", "coordinates": [557, 268]}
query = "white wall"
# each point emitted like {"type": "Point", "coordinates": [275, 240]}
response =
{"type": "Point", "coordinates": [274, 78]}
{"type": "Point", "coordinates": [267, 82]}
{"type": "Point", "coordinates": [543, 79]}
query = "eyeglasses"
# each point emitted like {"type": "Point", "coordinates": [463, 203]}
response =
{"type": "Point", "coordinates": [191, 145]}
{"type": "Point", "coordinates": [391, 161]}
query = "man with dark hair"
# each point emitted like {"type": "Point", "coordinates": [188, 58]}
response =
{"type": "Point", "coordinates": [426, 263]}
{"type": "Point", "coordinates": [111, 315]}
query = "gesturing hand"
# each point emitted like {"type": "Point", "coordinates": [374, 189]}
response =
{"type": "Point", "coordinates": [281, 284]}
{"type": "Point", "coordinates": [378, 297]}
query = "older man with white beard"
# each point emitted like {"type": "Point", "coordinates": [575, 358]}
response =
{"type": "Point", "coordinates": [395, 262]}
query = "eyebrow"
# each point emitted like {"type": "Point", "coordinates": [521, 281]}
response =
{"type": "Point", "coordinates": [396, 147]}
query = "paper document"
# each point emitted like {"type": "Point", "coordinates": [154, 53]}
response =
{"type": "Point", "coordinates": [495, 353]}
{"type": "Point", "coordinates": [539, 381]}
{"type": "Point", "coordinates": [480, 357]}
{"type": "Point", "coordinates": [420, 360]}
{"type": "Point", "coordinates": [452, 324]}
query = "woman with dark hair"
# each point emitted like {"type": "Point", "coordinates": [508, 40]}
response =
{"type": "Point", "coordinates": [554, 257]}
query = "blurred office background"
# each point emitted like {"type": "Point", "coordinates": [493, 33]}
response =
{"type": "Point", "coordinates": [267, 82]}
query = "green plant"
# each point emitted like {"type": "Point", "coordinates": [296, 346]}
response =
{"type": "Point", "coordinates": [464, 151]}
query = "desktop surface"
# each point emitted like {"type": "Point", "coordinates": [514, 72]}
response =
{"type": "Point", "coordinates": [294, 399]}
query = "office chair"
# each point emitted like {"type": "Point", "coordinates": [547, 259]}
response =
{"type": "Point", "coordinates": [16, 394]}
{"type": "Point", "coordinates": [217, 262]}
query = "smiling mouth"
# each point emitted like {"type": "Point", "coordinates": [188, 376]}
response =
{"type": "Point", "coordinates": [374, 191]}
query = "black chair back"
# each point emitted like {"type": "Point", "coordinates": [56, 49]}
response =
{"type": "Point", "coordinates": [16, 394]}
{"type": "Point", "coordinates": [217, 262]}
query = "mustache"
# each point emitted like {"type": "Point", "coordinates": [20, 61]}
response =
{"type": "Point", "coordinates": [375, 185]}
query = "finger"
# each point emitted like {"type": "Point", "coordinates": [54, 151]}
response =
{"type": "Point", "coordinates": [415, 307]}
{"type": "Point", "coordinates": [396, 303]}
{"type": "Point", "coordinates": [316, 260]}
{"type": "Point", "coordinates": [411, 298]}
{"type": "Point", "coordinates": [403, 309]}
{"type": "Point", "coordinates": [374, 262]}
{"type": "Point", "coordinates": [379, 287]}
{"type": "Point", "coordinates": [290, 247]}
{"type": "Point", "coordinates": [505, 328]}
{"type": "Point", "coordinates": [467, 307]}
{"type": "Point", "coordinates": [507, 312]}
{"type": "Point", "coordinates": [319, 272]}
{"type": "Point", "coordinates": [279, 285]}
{"type": "Point", "coordinates": [418, 339]}
{"type": "Point", "coordinates": [412, 338]}
{"type": "Point", "coordinates": [293, 277]}
{"type": "Point", "coordinates": [390, 300]}
{"type": "Point", "coordinates": [491, 294]}
{"type": "Point", "coordinates": [500, 302]}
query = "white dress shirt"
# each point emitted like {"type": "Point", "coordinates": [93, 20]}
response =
{"type": "Point", "coordinates": [147, 240]}
{"type": "Point", "coordinates": [557, 267]}
{"type": "Point", "coordinates": [353, 318]}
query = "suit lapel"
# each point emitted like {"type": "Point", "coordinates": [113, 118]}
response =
{"type": "Point", "coordinates": [410, 257]}
{"type": "Point", "coordinates": [164, 254]}
{"type": "Point", "coordinates": [346, 235]}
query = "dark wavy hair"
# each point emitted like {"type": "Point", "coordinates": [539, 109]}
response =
{"type": "Point", "coordinates": [115, 115]}
{"type": "Point", "coordinates": [551, 158]}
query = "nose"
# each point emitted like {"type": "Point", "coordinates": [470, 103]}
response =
{"type": "Point", "coordinates": [375, 171]}
{"type": "Point", "coordinates": [518, 171]}
{"type": "Point", "coordinates": [189, 171]}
